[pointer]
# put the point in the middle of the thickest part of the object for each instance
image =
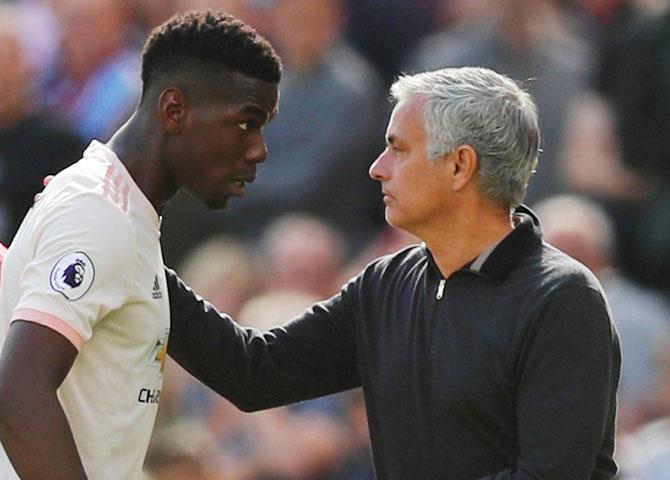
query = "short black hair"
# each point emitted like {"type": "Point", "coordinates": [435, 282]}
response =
{"type": "Point", "coordinates": [187, 40]}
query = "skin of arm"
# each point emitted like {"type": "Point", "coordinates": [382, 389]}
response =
{"type": "Point", "coordinates": [33, 428]}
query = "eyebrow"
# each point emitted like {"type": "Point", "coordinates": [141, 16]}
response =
{"type": "Point", "coordinates": [256, 111]}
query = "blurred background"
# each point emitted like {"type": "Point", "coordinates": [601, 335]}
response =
{"type": "Point", "coordinates": [598, 69]}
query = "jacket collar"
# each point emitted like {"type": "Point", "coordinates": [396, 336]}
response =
{"type": "Point", "coordinates": [497, 262]}
{"type": "Point", "coordinates": [507, 254]}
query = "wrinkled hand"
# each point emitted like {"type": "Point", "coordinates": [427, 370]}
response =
{"type": "Point", "coordinates": [45, 182]}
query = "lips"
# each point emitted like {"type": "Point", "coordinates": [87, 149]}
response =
{"type": "Point", "coordinates": [240, 183]}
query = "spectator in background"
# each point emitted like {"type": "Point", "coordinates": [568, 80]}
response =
{"type": "Point", "coordinates": [39, 31]}
{"type": "Point", "coordinates": [595, 18]}
{"type": "Point", "coordinates": [149, 13]}
{"type": "Point", "coordinates": [321, 144]}
{"type": "Point", "coordinates": [32, 144]}
{"type": "Point", "coordinates": [96, 83]}
{"type": "Point", "coordinates": [591, 159]}
{"type": "Point", "coordinates": [582, 229]}
{"type": "Point", "coordinates": [328, 131]}
{"type": "Point", "coordinates": [386, 31]}
{"type": "Point", "coordinates": [223, 271]}
{"type": "Point", "coordinates": [185, 450]}
{"type": "Point", "coordinates": [634, 77]}
{"type": "Point", "coordinates": [646, 455]}
{"type": "Point", "coordinates": [301, 254]}
{"type": "Point", "coordinates": [530, 41]}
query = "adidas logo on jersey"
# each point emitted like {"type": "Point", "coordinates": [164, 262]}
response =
{"type": "Point", "coordinates": [156, 291]}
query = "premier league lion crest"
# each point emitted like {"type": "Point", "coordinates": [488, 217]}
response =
{"type": "Point", "coordinates": [73, 275]}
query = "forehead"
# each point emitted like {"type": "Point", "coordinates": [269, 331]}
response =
{"type": "Point", "coordinates": [407, 117]}
{"type": "Point", "coordinates": [235, 91]}
{"type": "Point", "coordinates": [217, 94]}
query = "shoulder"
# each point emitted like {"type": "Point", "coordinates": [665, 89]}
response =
{"type": "Point", "coordinates": [563, 271]}
{"type": "Point", "coordinates": [98, 177]}
{"type": "Point", "coordinates": [386, 276]}
{"type": "Point", "coordinates": [558, 301]}
{"type": "Point", "coordinates": [550, 283]}
{"type": "Point", "coordinates": [82, 205]}
{"type": "Point", "coordinates": [398, 265]}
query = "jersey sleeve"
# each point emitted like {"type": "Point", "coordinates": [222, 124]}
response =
{"type": "Point", "coordinates": [82, 267]}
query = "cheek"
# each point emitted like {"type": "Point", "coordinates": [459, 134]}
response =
{"type": "Point", "coordinates": [407, 178]}
{"type": "Point", "coordinates": [212, 154]}
{"type": "Point", "coordinates": [212, 160]}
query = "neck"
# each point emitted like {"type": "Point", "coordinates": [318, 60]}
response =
{"type": "Point", "coordinates": [140, 149]}
{"type": "Point", "coordinates": [467, 233]}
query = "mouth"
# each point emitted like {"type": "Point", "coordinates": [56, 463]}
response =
{"type": "Point", "coordinates": [240, 184]}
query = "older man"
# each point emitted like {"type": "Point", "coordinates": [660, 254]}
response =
{"type": "Point", "coordinates": [483, 353]}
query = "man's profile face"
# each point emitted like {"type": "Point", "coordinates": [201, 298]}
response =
{"type": "Point", "coordinates": [222, 140]}
{"type": "Point", "coordinates": [415, 188]}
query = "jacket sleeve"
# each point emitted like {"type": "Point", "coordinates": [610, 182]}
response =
{"type": "Point", "coordinates": [310, 356]}
{"type": "Point", "coordinates": [566, 397]}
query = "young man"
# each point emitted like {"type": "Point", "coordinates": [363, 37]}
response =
{"type": "Point", "coordinates": [483, 353]}
{"type": "Point", "coordinates": [84, 312]}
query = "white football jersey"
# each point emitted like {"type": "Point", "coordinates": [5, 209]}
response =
{"type": "Point", "coordinates": [86, 262]}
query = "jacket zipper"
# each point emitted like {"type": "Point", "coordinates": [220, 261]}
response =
{"type": "Point", "coordinates": [440, 289]}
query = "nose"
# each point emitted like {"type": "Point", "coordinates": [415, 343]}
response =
{"type": "Point", "coordinates": [257, 151]}
{"type": "Point", "coordinates": [378, 170]}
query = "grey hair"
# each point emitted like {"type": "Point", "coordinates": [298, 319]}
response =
{"type": "Point", "coordinates": [486, 110]}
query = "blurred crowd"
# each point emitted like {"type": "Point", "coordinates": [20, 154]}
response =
{"type": "Point", "coordinates": [598, 69]}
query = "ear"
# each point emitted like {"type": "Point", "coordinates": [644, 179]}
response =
{"type": "Point", "coordinates": [464, 166]}
{"type": "Point", "coordinates": [172, 110]}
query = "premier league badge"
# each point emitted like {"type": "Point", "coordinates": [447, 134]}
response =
{"type": "Point", "coordinates": [73, 275]}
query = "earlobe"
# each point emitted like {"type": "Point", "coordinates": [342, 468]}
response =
{"type": "Point", "coordinates": [172, 110]}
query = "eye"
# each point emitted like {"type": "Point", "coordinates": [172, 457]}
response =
{"type": "Point", "coordinates": [244, 126]}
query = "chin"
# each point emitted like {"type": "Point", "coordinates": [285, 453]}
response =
{"type": "Point", "coordinates": [393, 219]}
{"type": "Point", "coordinates": [398, 221]}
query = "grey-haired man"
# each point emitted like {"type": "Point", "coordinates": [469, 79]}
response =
{"type": "Point", "coordinates": [483, 353]}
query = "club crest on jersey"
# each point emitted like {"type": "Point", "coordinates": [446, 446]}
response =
{"type": "Point", "coordinates": [73, 275]}
{"type": "Point", "coordinates": [157, 355]}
